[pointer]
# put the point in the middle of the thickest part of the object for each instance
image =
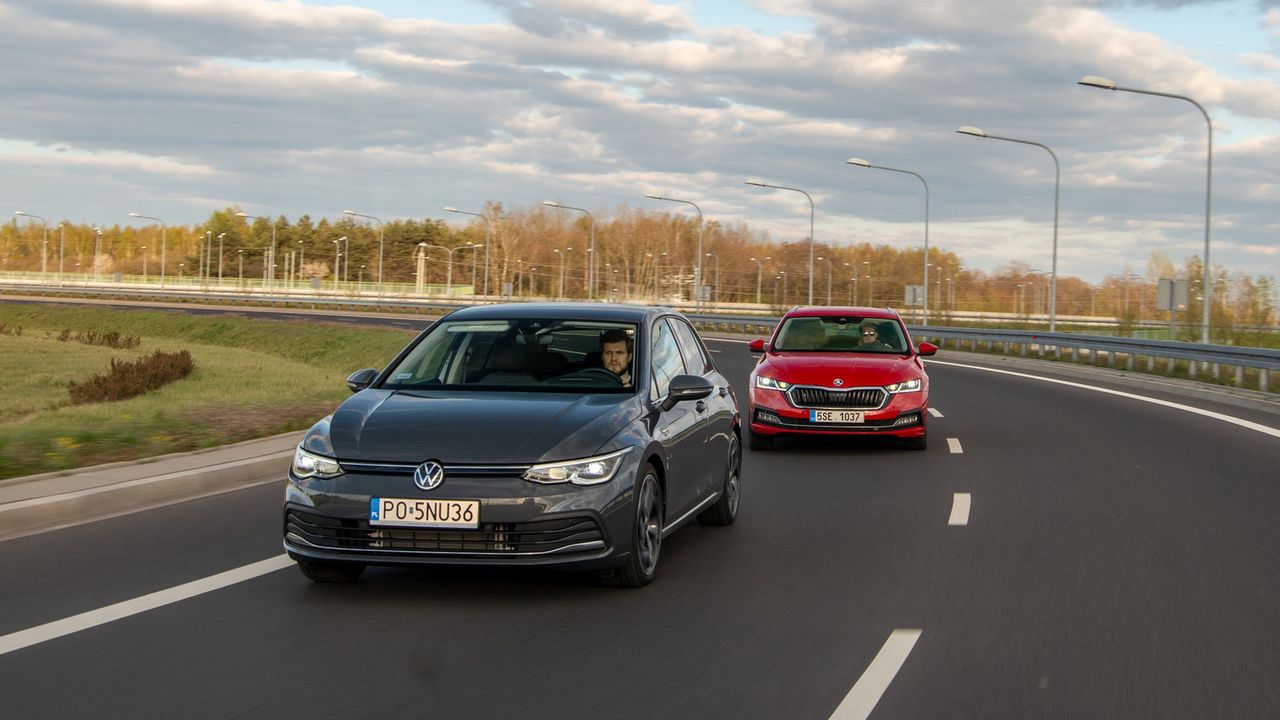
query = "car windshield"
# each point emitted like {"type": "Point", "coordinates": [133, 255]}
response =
{"type": "Point", "coordinates": [520, 355]}
{"type": "Point", "coordinates": [840, 333]}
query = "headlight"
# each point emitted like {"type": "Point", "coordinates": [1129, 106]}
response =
{"type": "Point", "coordinates": [768, 382]}
{"type": "Point", "coordinates": [587, 471]}
{"type": "Point", "coordinates": [307, 465]}
{"type": "Point", "coordinates": [904, 386]}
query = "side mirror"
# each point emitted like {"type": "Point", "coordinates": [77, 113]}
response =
{"type": "Point", "coordinates": [926, 348]}
{"type": "Point", "coordinates": [687, 387]}
{"type": "Point", "coordinates": [756, 345]}
{"type": "Point", "coordinates": [361, 379]}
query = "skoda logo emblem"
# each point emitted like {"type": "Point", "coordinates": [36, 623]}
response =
{"type": "Point", "coordinates": [837, 382]}
{"type": "Point", "coordinates": [428, 475]}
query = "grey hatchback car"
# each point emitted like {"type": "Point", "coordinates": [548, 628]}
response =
{"type": "Point", "coordinates": [558, 434]}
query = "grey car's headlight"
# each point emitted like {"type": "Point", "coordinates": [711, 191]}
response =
{"type": "Point", "coordinates": [768, 382]}
{"type": "Point", "coordinates": [308, 465]}
{"type": "Point", "coordinates": [904, 386]}
{"type": "Point", "coordinates": [587, 471]}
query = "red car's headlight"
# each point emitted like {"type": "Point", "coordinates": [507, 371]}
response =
{"type": "Point", "coordinates": [771, 384]}
{"type": "Point", "coordinates": [904, 386]}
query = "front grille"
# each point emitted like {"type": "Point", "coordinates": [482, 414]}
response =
{"type": "Point", "coordinates": [852, 399]}
{"type": "Point", "coordinates": [540, 537]}
{"type": "Point", "coordinates": [775, 420]}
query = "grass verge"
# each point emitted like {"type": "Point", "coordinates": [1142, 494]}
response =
{"type": "Point", "coordinates": [252, 378]}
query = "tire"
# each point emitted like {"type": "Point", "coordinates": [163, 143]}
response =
{"type": "Point", "coordinates": [330, 572]}
{"type": "Point", "coordinates": [916, 443]}
{"type": "Point", "coordinates": [759, 442]}
{"type": "Point", "coordinates": [725, 509]}
{"type": "Point", "coordinates": [646, 534]}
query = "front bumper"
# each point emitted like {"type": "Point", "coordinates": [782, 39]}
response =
{"type": "Point", "coordinates": [903, 416]}
{"type": "Point", "coordinates": [520, 523]}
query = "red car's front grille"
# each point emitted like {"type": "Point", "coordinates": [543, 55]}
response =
{"type": "Point", "coordinates": [854, 398]}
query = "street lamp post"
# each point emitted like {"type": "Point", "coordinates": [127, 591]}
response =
{"type": "Point", "coordinates": [757, 183]}
{"type": "Point", "coordinates": [240, 278]}
{"type": "Point", "coordinates": [97, 250]}
{"type": "Point", "coordinates": [871, 284]}
{"type": "Point", "coordinates": [221, 235]}
{"type": "Point", "coordinates": [346, 263]}
{"type": "Point", "coordinates": [302, 256]}
{"type": "Point", "coordinates": [561, 254]}
{"type": "Point", "coordinates": [420, 268]}
{"type": "Point", "coordinates": [44, 247]}
{"type": "Point", "coordinates": [337, 260]}
{"type": "Point", "coordinates": [591, 250]}
{"type": "Point", "coordinates": [62, 234]}
{"type": "Point", "coordinates": [924, 300]}
{"type": "Point", "coordinates": [488, 235]}
{"type": "Point", "coordinates": [449, 271]}
{"type": "Point", "coordinates": [271, 255]}
{"type": "Point", "coordinates": [143, 248]}
{"type": "Point", "coordinates": [716, 296]}
{"type": "Point", "coordinates": [697, 273]}
{"type": "Point", "coordinates": [1105, 84]}
{"type": "Point", "coordinates": [830, 272]}
{"type": "Point", "coordinates": [164, 245]}
{"type": "Point", "coordinates": [356, 214]}
{"type": "Point", "coordinates": [759, 274]}
{"type": "Point", "coordinates": [853, 282]}
{"type": "Point", "coordinates": [1057, 182]}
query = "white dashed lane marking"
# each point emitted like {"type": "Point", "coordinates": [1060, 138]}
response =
{"type": "Point", "coordinates": [960, 504]}
{"type": "Point", "coordinates": [935, 412]}
{"type": "Point", "coordinates": [862, 699]}
{"type": "Point", "coordinates": [954, 445]}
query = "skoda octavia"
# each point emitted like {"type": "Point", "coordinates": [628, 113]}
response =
{"type": "Point", "coordinates": [571, 435]}
{"type": "Point", "coordinates": [839, 371]}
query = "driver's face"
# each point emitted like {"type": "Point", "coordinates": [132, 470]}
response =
{"type": "Point", "coordinates": [615, 357]}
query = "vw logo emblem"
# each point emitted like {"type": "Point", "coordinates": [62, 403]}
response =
{"type": "Point", "coordinates": [428, 475]}
{"type": "Point", "coordinates": [837, 382]}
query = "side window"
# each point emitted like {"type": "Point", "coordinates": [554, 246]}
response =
{"type": "Point", "coordinates": [695, 358]}
{"type": "Point", "coordinates": [665, 359]}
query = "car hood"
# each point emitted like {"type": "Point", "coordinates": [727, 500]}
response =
{"type": "Point", "coordinates": [476, 428]}
{"type": "Point", "coordinates": [854, 369]}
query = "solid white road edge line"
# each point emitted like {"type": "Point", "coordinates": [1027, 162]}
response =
{"type": "Point", "coordinates": [954, 445]}
{"type": "Point", "coordinates": [960, 503]}
{"type": "Point", "coordinates": [862, 699]}
{"type": "Point", "coordinates": [120, 610]}
{"type": "Point", "coordinates": [1250, 425]}
{"type": "Point", "coordinates": [934, 412]}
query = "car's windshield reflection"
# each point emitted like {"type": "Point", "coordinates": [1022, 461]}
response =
{"type": "Point", "coordinates": [540, 355]}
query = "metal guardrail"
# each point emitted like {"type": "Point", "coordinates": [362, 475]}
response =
{"type": "Point", "coordinates": [1094, 349]}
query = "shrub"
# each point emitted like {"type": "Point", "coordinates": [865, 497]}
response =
{"type": "Point", "coordinates": [111, 339]}
{"type": "Point", "coordinates": [129, 379]}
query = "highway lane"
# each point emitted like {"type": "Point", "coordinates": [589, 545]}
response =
{"type": "Point", "coordinates": [1118, 561]}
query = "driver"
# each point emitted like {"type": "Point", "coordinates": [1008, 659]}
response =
{"type": "Point", "coordinates": [615, 354]}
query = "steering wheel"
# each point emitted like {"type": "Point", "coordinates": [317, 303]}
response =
{"type": "Point", "coordinates": [591, 373]}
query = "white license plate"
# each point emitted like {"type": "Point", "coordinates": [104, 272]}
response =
{"type": "Point", "coordinates": [420, 512]}
{"type": "Point", "coordinates": [835, 416]}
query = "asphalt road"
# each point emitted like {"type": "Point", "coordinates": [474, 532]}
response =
{"type": "Point", "coordinates": [1119, 560]}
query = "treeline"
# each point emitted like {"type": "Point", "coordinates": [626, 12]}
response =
{"type": "Point", "coordinates": [641, 255]}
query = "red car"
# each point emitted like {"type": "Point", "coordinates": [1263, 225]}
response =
{"type": "Point", "coordinates": [841, 371]}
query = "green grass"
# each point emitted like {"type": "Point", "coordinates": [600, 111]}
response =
{"type": "Point", "coordinates": [252, 378]}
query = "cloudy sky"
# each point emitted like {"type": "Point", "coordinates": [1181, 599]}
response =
{"type": "Point", "coordinates": [396, 109]}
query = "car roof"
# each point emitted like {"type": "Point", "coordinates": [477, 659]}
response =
{"type": "Point", "coordinates": [571, 310]}
{"type": "Point", "coordinates": [835, 310]}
